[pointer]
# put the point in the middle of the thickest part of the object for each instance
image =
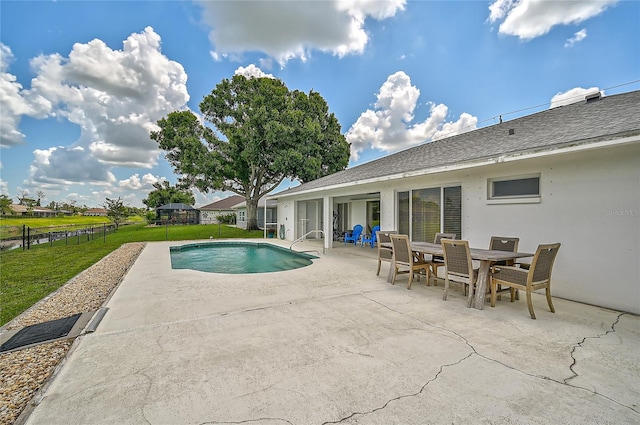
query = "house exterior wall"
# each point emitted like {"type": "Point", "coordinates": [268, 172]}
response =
{"type": "Point", "coordinates": [590, 203]}
{"type": "Point", "coordinates": [358, 214]}
{"type": "Point", "coordinates": [286, 218]}
{"type": "Point", "coordinates": [211, 216]}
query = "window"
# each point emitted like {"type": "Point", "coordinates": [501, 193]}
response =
{"type": "Point", "coordinates": [241, 215]}
{"type": "Point", "coordinates": [373, 214]}
{"type": "Point", "coordinates": [514, 187]}
{"type": "Point", "coordinates": [424, 212]}
{"type": "Point", "coordinates": [403, 213]}
{"type": "Point", "coordinates": [452, 210]}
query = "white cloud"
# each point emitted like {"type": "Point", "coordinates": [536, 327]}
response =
{"type": "Point", "coordinates": [135, 183]}
{"type": "Point", "coordinates": [252, 71]}
{"type": "Point", "coordinates": [529, 19]}
{"type": "Point", "coordinates": [13, 104]}
{"type": "Point", "coordinates": [114, 96]}
{"type": "Point", "coordinates": [65, 166]}
{"type": "Point", "coordinates": [4, 186]}
{"type": "Point", "coordinates": [389, 126]}
{"type": "Point", "coordinates": [574, 95]}
{"type": "Point", "coordinates": [577, 37]}
{"type": "Point", "coordinates": [335, 27]}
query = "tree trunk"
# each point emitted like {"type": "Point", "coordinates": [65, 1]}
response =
{"type": "Point", "coordinates": [252, 214]}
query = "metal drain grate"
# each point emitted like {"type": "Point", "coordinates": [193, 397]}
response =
{"type": "Point", "coordinates": [41, 332]}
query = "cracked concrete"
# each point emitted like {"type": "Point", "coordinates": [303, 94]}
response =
{"type": "Point", "coordinates": [333, 343]}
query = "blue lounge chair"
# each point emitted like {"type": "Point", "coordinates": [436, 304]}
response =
{"type": "Point", "coordinates": [371, 239]}
{"type": "Point", "coordinates": [354, 235]}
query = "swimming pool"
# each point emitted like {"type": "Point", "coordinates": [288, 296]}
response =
{"type": "Point", "coordinates": [237, 257]}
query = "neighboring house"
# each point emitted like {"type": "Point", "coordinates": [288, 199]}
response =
{"type": "Point", "coordinates": [96, 212]}
{"type": "Point", "coordinates": [25, 211]}
{"type": "Point", "coordinates": [271, 212]}
{"type": "Point", "coordinates": [209, 213]}
{"type": "Point", "coordinates": [177, 213]}
{"type": "Point", "coordinates": [570, 174]}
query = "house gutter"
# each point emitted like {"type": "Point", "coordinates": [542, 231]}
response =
{"type": "Point", "coordinates": [577, 147]}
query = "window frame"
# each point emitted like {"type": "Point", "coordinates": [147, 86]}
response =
{"type": "Point", "coordinates": [513, 199]}
{"type": "Point", "coordinates": [404, 207]}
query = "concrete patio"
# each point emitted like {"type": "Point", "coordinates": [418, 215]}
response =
{"type": "Point", "coordinates": [334, 343]}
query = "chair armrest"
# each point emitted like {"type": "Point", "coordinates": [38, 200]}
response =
{"type": "Point", "coordinates": [511, 269]}
{"type": "Point", "coordinates": [510, 274]}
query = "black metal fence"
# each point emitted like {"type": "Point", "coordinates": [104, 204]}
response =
{"type": "Point", "coordinates": [24, 236]}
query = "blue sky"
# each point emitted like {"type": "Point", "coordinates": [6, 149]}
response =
{"type": "Point", "coordinates": [83, 82]}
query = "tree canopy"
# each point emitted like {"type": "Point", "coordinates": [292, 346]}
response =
{"type": "Point", "coordinates": [256, 133]}
{"type": "Point", "coordinates": [117, 211]}
{"type": "Point", "coordinates": [164, 194]}
{"type": "Point", "coordinates": [5, 202]}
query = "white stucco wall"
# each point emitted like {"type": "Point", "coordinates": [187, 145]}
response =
{"type": "Point", "coordinates": [590, 203]}
{"type": "Point", "coordinates": [209, 217]}
{"type": "Point", "coordinates": [358, 214]}
{"type": "Point", "coordinates": [286, 217]}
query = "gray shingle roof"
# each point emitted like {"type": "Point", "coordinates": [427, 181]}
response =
{"type": "Point", "coordinates": [584, 122]}
{"type": "Point", "coordinates": [223, 204]}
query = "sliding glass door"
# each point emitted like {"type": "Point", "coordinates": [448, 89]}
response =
{"type": "Point", "coordinates": [424, 212]}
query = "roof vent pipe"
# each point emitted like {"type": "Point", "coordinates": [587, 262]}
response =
{"type": "Point", "coordinates": [593, 97]}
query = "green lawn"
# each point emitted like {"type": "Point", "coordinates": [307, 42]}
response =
{"type": "Point", "coordinates": [28, 276]}
{"type": "Point", "coordinates": [52, 221]}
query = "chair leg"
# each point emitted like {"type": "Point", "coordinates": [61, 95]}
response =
{"type": "Point", "coordinates": [395, 273]}
{"type": "Point", "coordinates": [493, 294]}
{"type": "Point", "coordinates": [410, 279]}
{"type": "Point", "coordinates": [530, 305]}
{"type": "Point", "coordinates": [553, 310]}
{"type": "Point", "coordinates": [434, 269]}
{"type": "Point", "coordinates": [378, 272]}
{"type": "Point", "coordinates": [446, 288]}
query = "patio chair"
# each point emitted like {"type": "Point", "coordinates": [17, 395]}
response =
{"type": "Point", "coordinates": [404, 257]}
{"type": "Point", "coordinates": [458, 265]}
{"type": "Point", "coordinates": [538, 276]}
{"type": "Point", "coordinates": [436, 260]}
{"type": "Point", "coordinates": [384, 253]}
{"type": "Point", "coordinates": [370, 239]}
{"type": "Point", "coordinates": [353, 235]}
{"type": "Point", "coordinates": [500, 243]}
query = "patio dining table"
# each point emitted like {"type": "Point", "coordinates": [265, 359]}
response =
{"type": "Point", "coordinates": [485, 256]}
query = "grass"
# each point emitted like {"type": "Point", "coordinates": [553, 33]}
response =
{"type": "Point", "coordinates": [12, 226]}
{"type": "Point", "coordinates": [28, 276]}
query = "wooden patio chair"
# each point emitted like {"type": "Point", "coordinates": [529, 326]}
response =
{"type": "Point", "coordinates": [509, 244]}
{"type": "Point", "coordinates": [437, 261]}
{"type": "Point", "coordinates": [404, 257]}
{"type": "Point", "coordinates": [458, 265]}
{"type": "Point", "coordinates": [538, 276]}
{"type": "Point", "coordinates": [384, 253]}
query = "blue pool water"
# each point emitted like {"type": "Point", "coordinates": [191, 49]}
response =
{"type": "Point", "coordinates": [236, 257]}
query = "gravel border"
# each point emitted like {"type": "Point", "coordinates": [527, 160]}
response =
{"type": "Point", "coordinates": [24, 372]}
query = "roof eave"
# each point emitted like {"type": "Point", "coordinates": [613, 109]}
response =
{"type": "Point", "coordinates": [515, 156]}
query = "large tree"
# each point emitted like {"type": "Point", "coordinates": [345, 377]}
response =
{"type": "Point", "coordinates": [257, 133]}
{"type": "Point", "coordinates": [164, 193]}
